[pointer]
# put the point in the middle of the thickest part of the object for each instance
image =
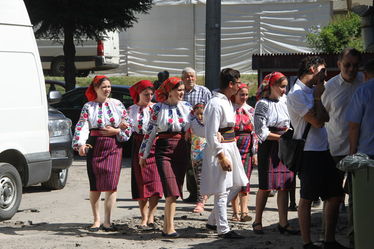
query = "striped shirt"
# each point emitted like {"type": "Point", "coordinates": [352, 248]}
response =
{"type": "Point", "coordinates": [199, 94]}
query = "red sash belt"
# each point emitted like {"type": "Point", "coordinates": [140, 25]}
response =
{"type": "Point", "coordinates": [170, 135]}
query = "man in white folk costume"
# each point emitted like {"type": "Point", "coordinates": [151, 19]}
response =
{"type": "Point", "coordinates": [222, 174]}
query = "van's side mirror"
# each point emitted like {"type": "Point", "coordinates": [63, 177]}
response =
{"type": "Point", "coordinates": [54, 97]}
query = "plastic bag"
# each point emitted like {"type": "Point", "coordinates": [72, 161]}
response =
{"type": "Point", "coordinates": [354, 162]}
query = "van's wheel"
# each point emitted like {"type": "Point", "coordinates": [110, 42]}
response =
{"type": "Point", "coordinates": [83, 73]}
{"type": "Point", "coordinates": [58, 67]}
{"type": "Point", "coordinates": [57, 180]}
{"type": "Point", "coordinates": [10, 191]}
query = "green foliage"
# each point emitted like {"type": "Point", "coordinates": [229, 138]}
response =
{"type": "Point", "coordinates": [342, 32]}
{"type": "Point", "coordinates": [81, 19]}
{"type": "Point", "coordinates": [87, 18]}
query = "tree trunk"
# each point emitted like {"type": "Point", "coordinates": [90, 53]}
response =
{"type": "Point", "coordinates": [69, 53]}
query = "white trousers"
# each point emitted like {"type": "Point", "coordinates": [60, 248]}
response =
{"type": "Point", "coordinates": [218, 216]}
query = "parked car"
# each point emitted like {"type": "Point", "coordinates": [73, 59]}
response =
{"type": "Point", "coordinates": [72, 102]}
{"type": "Point", "coordinates": [60, 139]}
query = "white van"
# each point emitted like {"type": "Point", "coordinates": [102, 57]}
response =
{"type": "Point", "coordinates": [90, 55]}
{"type": "Point", "coordinates": [24, 140]}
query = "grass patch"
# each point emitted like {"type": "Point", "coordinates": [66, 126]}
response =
{"type": "Point", "coordinates": [251, 79]}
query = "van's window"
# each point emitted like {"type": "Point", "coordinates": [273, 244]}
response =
{"type": "Point", "coordinates": [27, 92]}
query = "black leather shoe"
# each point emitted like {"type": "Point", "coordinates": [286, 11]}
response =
{"type": "Point", "coordinates": [112, 228]}
{"type": "Point", "coordinates": [286, 229]}
{"type": "Point", "coordinates": [170, 235]}
{"type": "Point", "coordinates": [257, 231]}
{"type": "Point", "coordinates": [211, 227]}
{"type": "Point", "coordinates": [311, 246]}
{"type": "Point", "coordinates": [333, 245]}
{"type": "Point", "coordinates": [230, 235]}
{"type": "Point", "coordinates": [190, 199]}
{"type": "Point", "coordinates": [93, 229]}
{"type": "Point", "coordinates": [292, 207]}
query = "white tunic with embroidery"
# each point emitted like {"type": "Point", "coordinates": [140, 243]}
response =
{"type": "Point", "coordinates": [95, 115]}
{"type": "Point", "coordinates": [219, 113]}
{"type": "Point", "coordinates": [140, 117]}
{"type": "Point", "coordinates": [166, 118]}
{"type": "Point", "coordinates": [271, 113]}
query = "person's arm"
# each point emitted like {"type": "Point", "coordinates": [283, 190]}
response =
{"type": "Point", "coordinates": [213, 114]}
{"type": "Point", "coordinates": [260, 122]}
{"type": "Point", "coordinates": [354, 115]}
{"type": "Point", "coordinates": [150, 136]}
{"type": "Point", "coordinates": [317, 116]}
{"type": "Point", "coordinates": [354, 133]}
{"type": "Point", "coordinates": [124, 131]}
{"type": "Point", "coordinates": [81, 132]}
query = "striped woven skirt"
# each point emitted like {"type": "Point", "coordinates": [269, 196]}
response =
{"type": "Point", "coordinates": [145, 182]}
{"type": "Point", "coordinates": [104, 163]}
{"type": "Point", "coordinates": [272, 173]}
{"type": "Point", "coordinates": [244, 141]}
{"type": "Point", "coordinates": [172, 158]}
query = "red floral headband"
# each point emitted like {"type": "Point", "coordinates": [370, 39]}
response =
{"type": "Point", "coordinates": [162, 92]}
{"type": "Point", "coordinates": [263, 90]}
{"type": "Point", "coordinates": [139, 87]}
{"type": "Point", "coordinates": [90, 92]}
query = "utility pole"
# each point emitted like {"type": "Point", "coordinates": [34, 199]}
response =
{"type": "Point", "coordinates": [212, 43]}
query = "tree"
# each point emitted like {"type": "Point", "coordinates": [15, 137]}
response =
{"type": "Point", "coordinates": [75, 19]}
{"type": "Point", "coordinates": [342, 32]}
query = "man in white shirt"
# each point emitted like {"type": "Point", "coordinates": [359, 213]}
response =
{"type": "Point", "coordinates": [223, 173]}
{"type": "Point", "coordinates": [336, 97]}
{"type": "Point", "coordinates": [319, 177]}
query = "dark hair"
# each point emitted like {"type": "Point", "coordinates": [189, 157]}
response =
{"type": "Point", "coordinates": [369, 67]}
{"type": "Point", "coordinates": [227, 75]}
{"type": "Point", "coordinates": [162, 76]}
{"type": "Point", "coordinates": [350, 51]}
{"type": "Point", "coordinates": [307, 62]}
{"type": "Point", "coordinates": [98, 83]}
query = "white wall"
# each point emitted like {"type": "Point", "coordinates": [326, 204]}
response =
{"type": "Point", "coordinates": [172, 37]}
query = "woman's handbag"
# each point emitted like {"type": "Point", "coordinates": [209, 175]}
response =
{"type": "Point", "coordinates": [291, 150]}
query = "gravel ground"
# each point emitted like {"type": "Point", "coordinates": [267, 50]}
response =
{"type": "Point", "coordinates": [57, 219]}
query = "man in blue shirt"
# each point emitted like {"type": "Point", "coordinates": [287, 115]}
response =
{"type": "Point", "coordinates": [360, 115]}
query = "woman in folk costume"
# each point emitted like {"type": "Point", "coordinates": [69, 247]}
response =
{"type": "Point", "coordinates": [271, 121]}
{"type": "Point", "coordinates": [146, 185]}
{"type": "Point", "coordinates": [169, 122]}
{"type": "Point", "coordinates": [246, 141]}
{"type": "Point", "coordinates": [222, 175]}
{"type": "Point", "coordinates": [98, 137]}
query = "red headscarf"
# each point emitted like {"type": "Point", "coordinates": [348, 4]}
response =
{"type": "Point", "coordinates": [263, 90]}
{"type": "Point", "coordinates": [90, 92]}
{"type": "Point", "coordinates": [242, 85]}
{"type": "Point", "coordinates": [139, 87]}
{"type": "Point", "coordinates": [162, 92]}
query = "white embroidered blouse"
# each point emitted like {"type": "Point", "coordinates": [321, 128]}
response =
{"type": "Point", "coordinates": [271, 113]}
{"type": "Point", "coordinates": [95, 115]}
{"type": "Point", "coordinates": [139, 117]}
{"type": "Point", "coordinates": [166, 118]}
